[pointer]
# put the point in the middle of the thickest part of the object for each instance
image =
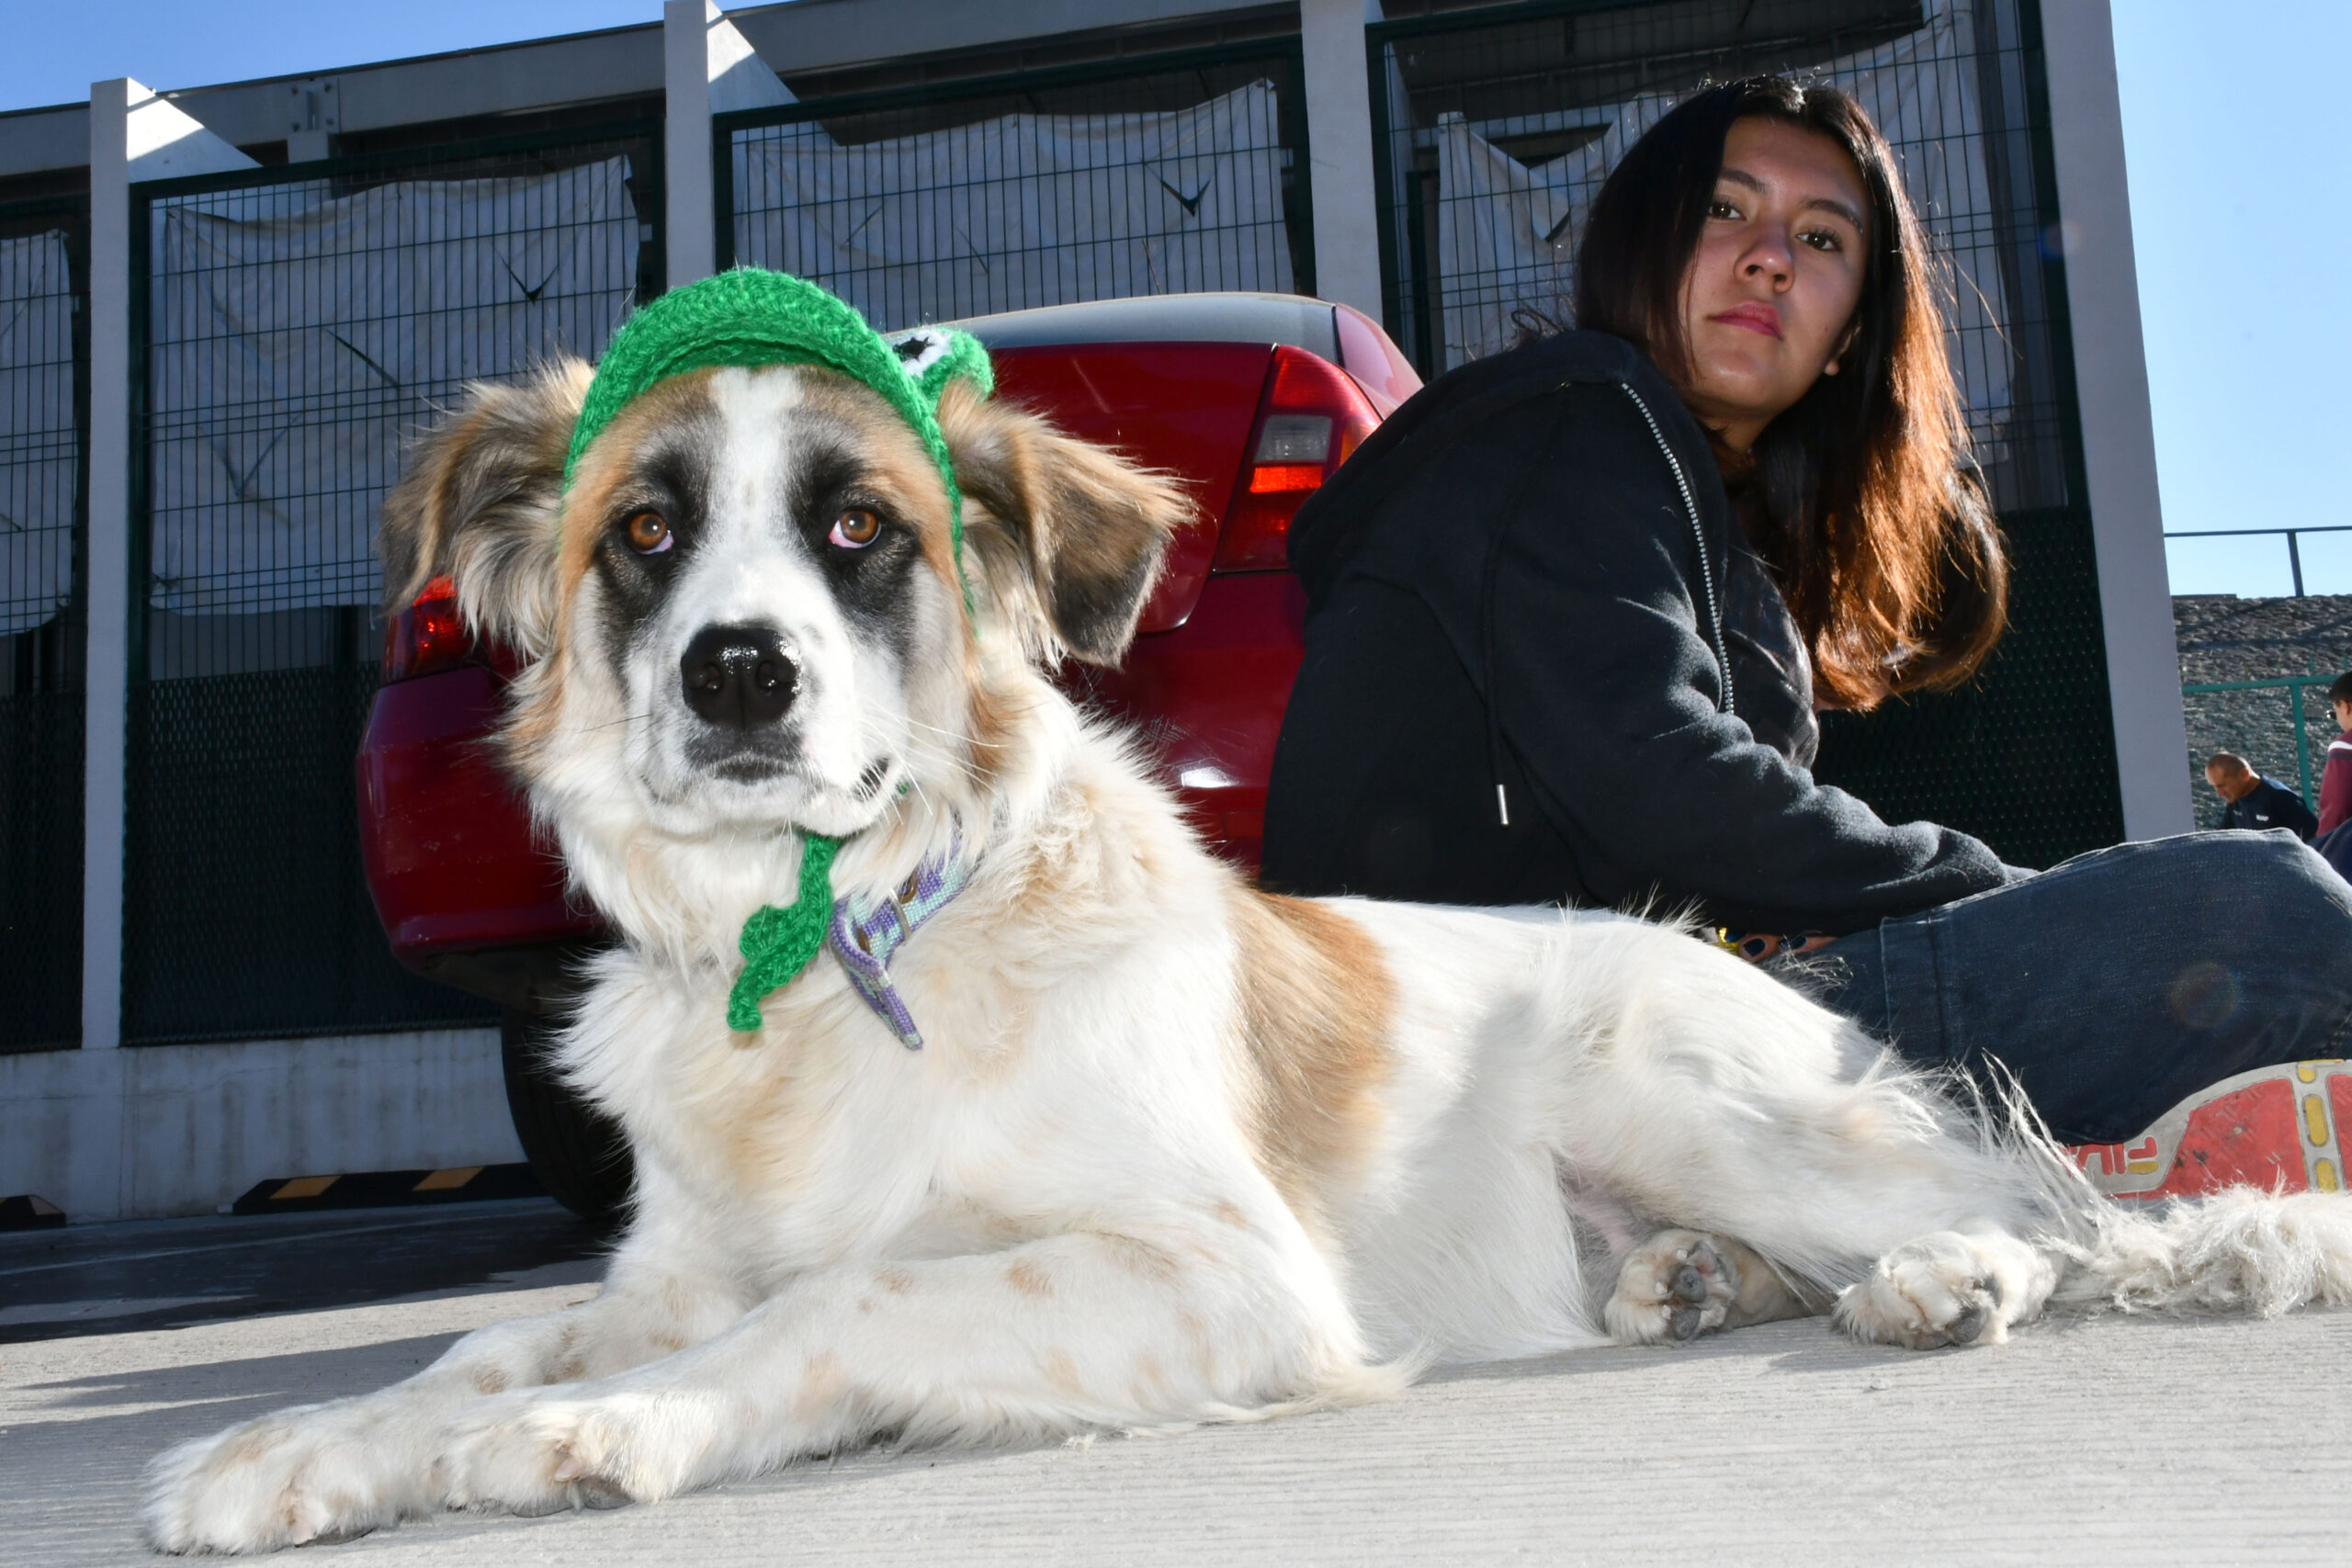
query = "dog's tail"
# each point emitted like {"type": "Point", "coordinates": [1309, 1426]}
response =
{"type": "Point", "coordinates": [2239, 1250]}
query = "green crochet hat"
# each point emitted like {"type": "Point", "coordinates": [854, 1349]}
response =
{"type": "Point", "coordinates": [748, 319]}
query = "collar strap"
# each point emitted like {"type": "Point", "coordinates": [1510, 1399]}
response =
{"type": "Point", "coordinates": [865, 935]}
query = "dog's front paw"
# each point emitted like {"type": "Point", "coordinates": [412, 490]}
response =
{"type": "Point", "coordinates": [1677, 1285]}
{"type": "Point", "coordinates": [292, 1479]}
{"type": "Point", "coordinates": [534, 1454]}
{"type": "Point", "coordinates": [1945, 1289]}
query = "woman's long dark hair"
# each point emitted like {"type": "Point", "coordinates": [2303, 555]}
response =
{"type": "Point", "coordinates": [1864, 500]}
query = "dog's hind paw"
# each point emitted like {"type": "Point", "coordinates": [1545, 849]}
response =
{"type": "Point", "coordinates": [1946, 1288]}
{"type": "Point", "coordinates": [1677, 1285]}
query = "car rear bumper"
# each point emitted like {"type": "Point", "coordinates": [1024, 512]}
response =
{"type": "Point", "coordinates": [452, 860]}
{"type": "Point", "coordinates": [1211, 694]}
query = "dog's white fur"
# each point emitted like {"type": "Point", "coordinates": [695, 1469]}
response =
{"type": "Point", "coordinates": [1173, 1151]}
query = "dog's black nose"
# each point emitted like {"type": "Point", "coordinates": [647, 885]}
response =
{"type": "Point", "coordinates": [739, 676]}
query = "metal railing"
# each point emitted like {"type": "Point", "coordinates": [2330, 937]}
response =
{"type": "Point", "coordinates": [2294, 550]}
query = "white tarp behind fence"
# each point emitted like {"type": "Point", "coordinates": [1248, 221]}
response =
{"type": "Point", "coordinates": [1508, 231]}
{"type": "Point", "coordinates": [1023, 211]}
{"type": "Point", "coordinates": [297, 341]}
{"type": "Point", "coordinates": [37, 441]}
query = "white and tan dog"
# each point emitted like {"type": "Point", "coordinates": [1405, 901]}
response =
{"type": "Point", "coordinates": [1172, 1150]}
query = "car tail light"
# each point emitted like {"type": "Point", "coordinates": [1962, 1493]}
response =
{"type": "Point", "coordinates": [1310, 417]}
{"type": "Point", "coordinates": [427, 636]}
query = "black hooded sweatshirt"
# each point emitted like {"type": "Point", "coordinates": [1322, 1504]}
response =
{"type": "Point", "coordinates": [1528, 600]}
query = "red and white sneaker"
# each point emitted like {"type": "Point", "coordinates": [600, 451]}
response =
{"type": "Point", "coordinates": [2279, 1128]}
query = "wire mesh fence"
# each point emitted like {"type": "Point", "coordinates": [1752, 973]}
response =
{"type": "Point", "coordinates": [1497, 128]}
{"type": "Point", "coordinates": [296, 327]}
{"type": "Point", "coordinates": [44, 414]}
{"type": "Point", "coordinates": [1164, 175]}
{"type": "Point", "coordinates": [1494, 128]}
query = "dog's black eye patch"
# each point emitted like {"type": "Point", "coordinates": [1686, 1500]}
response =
{"type": "Point", "coordinates": [672, 480]}
{"type": "Point", "coordinates": [868, 580]}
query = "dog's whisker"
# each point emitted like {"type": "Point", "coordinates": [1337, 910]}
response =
{"type": "Point", "coordinates": [931, 752]}
{"type": "Point", "coordinates": [965, 769]}
{"type": "Point", "coordinates": [950, 734]}
{"type": "Point", "coordinates": [644, 717]}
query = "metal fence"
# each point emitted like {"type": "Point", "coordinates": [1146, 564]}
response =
{"type": "Point", "coordinates": [2282, 727]}
{"type": "Point", "coordinates": [1162, 175]}
{"type": "Point", "coordinates": [293, 327]}
{"type": "Point", "coordinates": [44, 417]}
{"type": "Point", "coordinates": [1494, 129]}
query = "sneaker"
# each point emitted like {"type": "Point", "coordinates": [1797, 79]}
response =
{"type": "Point", "coordinates": [2277, 1128]}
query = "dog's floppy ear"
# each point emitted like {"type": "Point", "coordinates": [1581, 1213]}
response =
{"type": "Point", "coordinates": [480, 502]}
{"type": "Point", "coordinates": [1083, 529]}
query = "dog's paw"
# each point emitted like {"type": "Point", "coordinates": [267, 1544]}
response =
{"type": "Point", "coordinates": [295, 1478]}
{"type": "Point", "coordinates": [1946, 1288]}
{"type": "Point", "coordinates": [1677, 1285]}
{"type": "Point", "coordinates": [533, 1454]}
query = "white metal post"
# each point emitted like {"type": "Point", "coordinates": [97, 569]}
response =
{"type": "Point", "coordinates": [688, 240]}
{"type": "Point", "coordinates": [133, 135]}
{"type": "Point", "coordinates": [107, 592]}
{"type": "Point", "coordinates": [1338, 138]}
{"type": "Point", "coordinates": [2118, 433]}
{"type": "Point", "coordinates": [707, 68]}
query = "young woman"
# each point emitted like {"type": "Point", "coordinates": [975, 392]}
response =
{"type": "Point", "coordinates": [1573, 608]}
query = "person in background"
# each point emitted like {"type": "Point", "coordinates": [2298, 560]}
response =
{"type": "Point", "coordinates": [2255, 803]}
{"type": "Point", "coordinates": [2336, 783]}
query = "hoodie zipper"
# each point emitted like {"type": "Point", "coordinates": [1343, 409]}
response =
{"type": "Point", "coordinates": [1706, 571]}
{"type": "Point", "coordinates": [1487, 606]}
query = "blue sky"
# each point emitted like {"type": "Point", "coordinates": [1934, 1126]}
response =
{"type": "Point", "coordinates": [2241, 237]}
{"type": "Point", "coordinates": [2226, 113]}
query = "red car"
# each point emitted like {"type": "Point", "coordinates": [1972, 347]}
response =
{"type": "Point", "coordinates": [1251, 400]}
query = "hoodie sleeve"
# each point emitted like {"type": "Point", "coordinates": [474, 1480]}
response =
{"type": "Point", "coordinates": [2335, 785]}
{"type": "Point", "coordinates": [1605, 681]}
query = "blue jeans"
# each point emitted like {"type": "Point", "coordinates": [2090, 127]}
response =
{"type": "Point", "coordinates": [2121, 983]}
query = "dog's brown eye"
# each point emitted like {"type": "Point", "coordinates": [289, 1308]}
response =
{"type": "Point", "coordinates": [856, 529]}
{"type": "Point", "coordinates": [648, 534]}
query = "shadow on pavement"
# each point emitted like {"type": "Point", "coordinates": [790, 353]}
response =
{"type": "Point", "coordinates": [168, 1273]}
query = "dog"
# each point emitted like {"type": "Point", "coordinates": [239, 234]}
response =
{"type": "Point", "coordinates": [1164, 1148]}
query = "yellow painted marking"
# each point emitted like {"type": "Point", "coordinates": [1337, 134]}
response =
{"type": "Point", "coordinates": [302, 1187]}
{"type": "Point", "coordinates": [2315, 1118]}
{"type": "Point", "coordinates": [2324, 1176]}
{"type": "Point", "coordinates": [2143, 1167]}
{"type": "Point", "coordinates": [442, 1181]}
{"type": "Point", "coordinates": [2307, 1071]}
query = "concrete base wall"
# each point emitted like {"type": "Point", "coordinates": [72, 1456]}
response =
{"type": "Point", "coordinates": [182, 1129]}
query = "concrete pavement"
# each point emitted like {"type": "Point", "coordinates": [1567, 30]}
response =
{"type": "Point", "coordinates": [2125, 1440]}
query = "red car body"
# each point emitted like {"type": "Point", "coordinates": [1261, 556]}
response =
{"type": "Point", "coordinates": [1251, 400]}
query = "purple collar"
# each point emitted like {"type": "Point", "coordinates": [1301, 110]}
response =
{"type": "Point", "coordinates": [864, 938]}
